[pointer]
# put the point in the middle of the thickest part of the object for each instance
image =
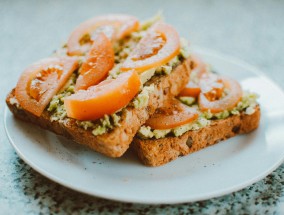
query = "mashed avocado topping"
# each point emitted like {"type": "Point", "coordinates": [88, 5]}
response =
{"type": "Point", "coordinates": [168, 67]}
{"type": "Point", "coordinates": [122, 49]}
{"type": "Point", "coordinates": [146, 132]}
{"type": "Point", "coordinates": [58, 112]}
{"type": "Point", "coordinates": [142, 99]}
{"type": "Point", "coordinates": [56, 105]}
{"type": "Point", "coordinates": [187, 100]}
{"type": "Point", "coordinates": [146, 76]}
{"type": "Point", "coordinates": [102, 125]}
{"type": "Point", "coordinates": [246, 105]}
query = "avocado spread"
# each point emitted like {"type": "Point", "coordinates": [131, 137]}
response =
{"type": "Point", "coordinates": [102, 125]}
{"type": "Point", "coordinates": [146, 132]}
{"type": "Point", "coordinates": [246, 105]}
{"type": "Point", "coordinates": [56, 105]}
{"type": "Point", "coordinates": [122, 49]}
{"type": "Point", "coordinates": [142, 99]}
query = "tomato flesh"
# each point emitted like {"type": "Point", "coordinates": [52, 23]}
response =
{"type": "Point", "coordinates": [192, 88]}
{"type": "Point", "coordinates": [160, 44]}
{"type": "Point", "coordinates": [105, 98]}
{"type": "Point", "coordinates": [227, 102]}
{"type": "Point", "coordinates": [172, 115]}
{"type": "Point", "coordinates": [212, 86]}
{"type": "Point", "coordinates": [116, 27]}
{"type": "Point", "coordinates": [99, 62]}
{"type": "Point", "coordinates": [41, 81]}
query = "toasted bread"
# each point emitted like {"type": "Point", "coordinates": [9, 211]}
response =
{"type": "Point", "coordinates": [156, 152]}
{"type": "Point", "coordinates": [116, 141]}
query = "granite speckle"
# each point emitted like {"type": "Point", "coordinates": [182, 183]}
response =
{"type": "Point", "coordinates": [250, 30]}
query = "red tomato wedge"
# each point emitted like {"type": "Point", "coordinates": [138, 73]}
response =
{"type": "Point", "coordinates": [115, 26]}
{"type": "Point", "coordinates": [160, 44]}
{"type": "Point", "coordinates": [41, 81]}
{"type": "Point", "coordinates": [172, 115]}
{"type": "Point", "coordinates": [228, 102]}
{"type": "Point", "coordinates": [192, 89]}
{"type": "Point", "coordinates": [99, 62]}
{"type": "Point", "coordinates": [105, 98]}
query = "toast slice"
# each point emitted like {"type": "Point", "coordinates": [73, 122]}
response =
{"type": "Point", "coordinates": [156, 152]}
{"type": "Point", "coordinates": [115, 142]}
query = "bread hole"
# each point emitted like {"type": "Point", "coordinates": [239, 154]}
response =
{"type": "Point", "coordinates": [192, 64]}
{"type": "Point", "coordinates": [189, 142]}
{"type": "Point", "coordinates": [236, 129]}
{"type": "Point", "coordinates": [165, 91]}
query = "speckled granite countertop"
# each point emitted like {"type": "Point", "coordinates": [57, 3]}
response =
{"type": "Point", "coordinates": [250, 30]}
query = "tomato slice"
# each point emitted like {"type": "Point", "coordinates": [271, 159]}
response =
{"type": "Point", "coordinates": [228, 102]}
{"type": "Point", "coordinates": [172, 115]}
{"type": "Point", "coordinates": [41, 81]}
{"type": "Point", "coordinates": [211, 86]}
{"type": "Point", "coordinates": [199, 67]}
{"type": "Point", "coordinates": [160, 44]}
{"type": "Point", "coordinates": [105, 98]}
{"type": "Point", "coordinates": [99, 62]}
{"type": "Point", "coordinates": [192, 89]}
{"type": "Point", "coordinates": [115, 26]}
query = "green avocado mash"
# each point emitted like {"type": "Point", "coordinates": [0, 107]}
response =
{"type": "Point", "coordinates": [146, 132]}
{"type": "Point", "coordinates": [122, 49]}
{"type": "Point", "coordinates": [147, 75]}
{"type": "Point", "coordinates": [102, 125]}
{"type": "Point", "coordinates": [246, 105]}
{"type": "Point", "coordinates": [56, 105]}
{"type": "Point", "coordinates": [187, 100]}
{"type": "Point", "coordinates": [142, 99]}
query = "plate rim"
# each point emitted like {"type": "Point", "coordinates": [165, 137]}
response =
{"type": "Point", "coordinates": [218, 193]}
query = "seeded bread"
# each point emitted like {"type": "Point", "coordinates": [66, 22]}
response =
{"type": "Point", "coordinates": [156, 152]}
{"type": "Point", "coordinates": [117, 141]}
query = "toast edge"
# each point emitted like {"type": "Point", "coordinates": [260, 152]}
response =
{"type": "Point", "coordinates": [161, 151]}
{"type": "Point", "coordinates": [117, 141]}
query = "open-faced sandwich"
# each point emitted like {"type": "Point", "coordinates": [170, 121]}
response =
{"type": "Point", "coordinates": [117, 80]}
{"type": "Point", "coordinates": [104, 84]}
{"type": "Point", "coordinates": [209, 109]}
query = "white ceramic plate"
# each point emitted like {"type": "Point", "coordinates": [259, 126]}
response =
{"type": "Point", "coordinates": [221, 169]}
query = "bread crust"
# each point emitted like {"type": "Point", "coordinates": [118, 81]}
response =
{"type": "Point", "coordinates": [156, 152]}
{"type": "Point", "coordinates": [117, 141]}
